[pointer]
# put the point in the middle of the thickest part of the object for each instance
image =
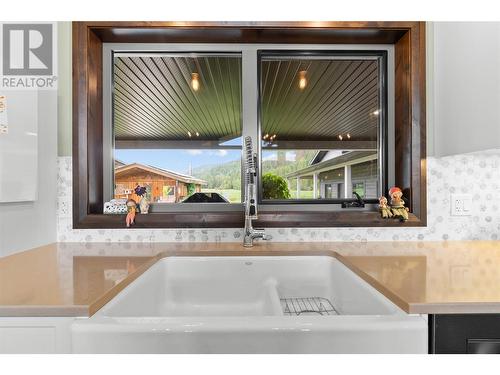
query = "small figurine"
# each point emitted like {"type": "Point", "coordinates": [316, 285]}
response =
{"type": "Point", "coordinates": [144, 202]}
{"type": "Point", "coordinates": [397, 204]}
{"type": "Point", "coordinates": [384, 209]}
{"type": "Point", "coordinates": [131, 209]}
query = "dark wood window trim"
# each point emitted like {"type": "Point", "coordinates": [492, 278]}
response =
{"type": "Point", "coordinates": [410, 130]}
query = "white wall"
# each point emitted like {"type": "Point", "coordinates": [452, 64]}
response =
{"type": "Point", "coordinates": [465, 90]}
{"type": "Point", "coordinates": [30, 224]}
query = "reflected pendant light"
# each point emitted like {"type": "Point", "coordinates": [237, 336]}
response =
{"type": "Point", "coordinates": [302, 79]}
{"type": "Point", "coordinates": [195, 81]}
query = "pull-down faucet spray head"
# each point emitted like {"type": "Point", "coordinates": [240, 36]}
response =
{"type": "Point", "coordinates": [251, 196]}
{"type": "Point", "coordinates": [250, 177]}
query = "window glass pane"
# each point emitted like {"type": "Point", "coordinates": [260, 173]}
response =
{"type": "Point", "coordinates": [320, 125]}
{"type": "Point", "coordinates": [365, 178]}
{"type": "Point", "coordinates": [177, 127]}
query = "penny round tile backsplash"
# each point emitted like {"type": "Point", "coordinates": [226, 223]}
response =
{"type": "Point", "coordinates": [477, 174]}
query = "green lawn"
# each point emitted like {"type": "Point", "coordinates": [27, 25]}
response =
{"type": "Point", "coordinates": [303, 194]}
{"type": "Point", "coordinates": [232, 195]}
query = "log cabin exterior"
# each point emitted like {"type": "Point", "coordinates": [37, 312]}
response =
{"type": "Point", "coordinates": [163, 186]}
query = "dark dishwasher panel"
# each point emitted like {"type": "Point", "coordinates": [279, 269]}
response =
{"type": "Point", "coordinates": [464, 334]}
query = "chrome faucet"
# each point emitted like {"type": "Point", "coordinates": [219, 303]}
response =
{"type": "Point", "coordinates": [251, 197]}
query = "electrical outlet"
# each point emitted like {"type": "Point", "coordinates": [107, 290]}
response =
{"type": "Point", "coordinates": [461, 204]}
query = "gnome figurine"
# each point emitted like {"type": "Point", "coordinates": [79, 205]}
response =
{"type": "Point", "coordinates": [397, 204]}
{"type": "Point", "coordinates": [131, 210]}
{"type": "Point", "coordinates": [384, 209]}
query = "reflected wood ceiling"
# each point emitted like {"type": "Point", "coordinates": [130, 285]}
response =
{"type": "Point", "coordinates": [153, 98]}
{"type": "Point", "coordinates": [340, 98]}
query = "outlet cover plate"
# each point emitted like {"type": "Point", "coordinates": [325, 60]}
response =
{"type": "Point", "coordinates": [461, 204]}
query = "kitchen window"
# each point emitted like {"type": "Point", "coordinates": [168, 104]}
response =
{"type": "Point", "coordinates": [323, 125]}
{"type": "Point", "coordinates": [176, 127]}
{"type": "Point", "coordinates": [319, 120]}
{"type": "Point", "coordinates": [402, 117]}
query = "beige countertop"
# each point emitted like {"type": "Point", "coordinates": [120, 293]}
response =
{"type": "Point", "coordinates": [73, 279]}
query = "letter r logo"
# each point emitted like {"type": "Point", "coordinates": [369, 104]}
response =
{"type": "Point", "coordinates": [27, 49]}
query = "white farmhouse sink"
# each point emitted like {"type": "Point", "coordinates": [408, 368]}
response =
{"type": "Point", "coordinates": [264, 304]}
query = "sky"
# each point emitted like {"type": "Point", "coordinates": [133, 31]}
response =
{"type": "Point", "coordinates": [182, 160]}
{"type": "Point", "coordinates": [273, 155]}
{"type": "Point", "coordinates": [177, 160]}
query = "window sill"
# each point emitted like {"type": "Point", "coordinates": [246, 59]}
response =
{"type": "Point", "coordinates": [303, 219]}
{"type": "Point", "coordinates": [344, 218]}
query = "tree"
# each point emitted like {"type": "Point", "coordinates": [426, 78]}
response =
{"type": "Point", "coordinates": [274, 187]}
{"type": "Point", "coordinates": [191, 189]}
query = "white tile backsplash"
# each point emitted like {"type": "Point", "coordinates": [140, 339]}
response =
{"type": "Point", "coordinates": [477, 174]}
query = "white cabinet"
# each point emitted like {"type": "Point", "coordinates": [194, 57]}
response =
{"type": "Point", "coordinates": [35, 335]}
{"type": "Point", "coordinates": [18, 145]}
{"type": "Point", "coordinates": [40, 340]}
{"type": "Point", "coordinates": [464, 86]}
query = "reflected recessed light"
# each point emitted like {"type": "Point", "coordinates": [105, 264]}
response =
{"type": "Point", "coordinates": [197, 134]}
{"type": "Point", "coordinates": [195, 81]}
{"type": "Point", "coordinates": [302, 79]}
{"type": "Point", "coordinates": [340, 137]}
{"type": "Point", "coordinates": [348, 136]}
{"type": "Point", "coordinates": [189, 134]}
{"type": "Point", "coordinates": [376, 112]}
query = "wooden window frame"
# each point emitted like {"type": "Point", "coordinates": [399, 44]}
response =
{"type": "Point", "coordinates": [408, 39]}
